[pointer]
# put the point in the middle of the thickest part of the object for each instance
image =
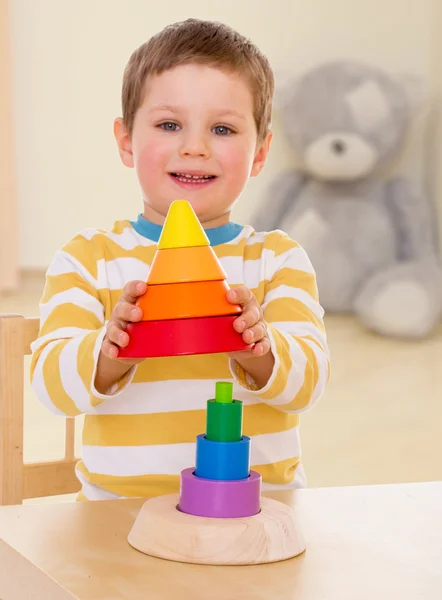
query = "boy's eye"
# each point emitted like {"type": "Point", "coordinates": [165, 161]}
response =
{"type": "Point", "coordinates": [222, 130]}
{"type": "Point", "coordinates": [169, 126]}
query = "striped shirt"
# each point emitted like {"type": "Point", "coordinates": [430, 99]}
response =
{"type": "Point", "coordinates": [140, 435]}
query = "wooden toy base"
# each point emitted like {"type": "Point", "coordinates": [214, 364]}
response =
{"type": "Point", "coordinates": [163, 531]}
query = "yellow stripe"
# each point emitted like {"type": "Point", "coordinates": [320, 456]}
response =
{"type": "Point", "coordinates": [290, 309]}
{"type": "Point", "coordinates": [280, 381]}
{"type": "Point", "coordinates": [230, 250]}
{"type": "Point", "coordinates": [175, 427]}
{"type": "Point", "coordinates": [208, 366]}
{"type": "Point", "coordinates": [85, 361]}
{"type": "Point", "coordinates": [253, 251]}
{"type": "Point", "coordinates": [55, 284]}
{"type": "Point", "coordinates": [280, 242]}
{"type": "Point", "coordinates": [53, 383]}
{"type": "Point", "coordinates": [83, 251]}
{"type": "Point", "coordinates": [279, 473]}
{"type": "Point", "coordinates": [295, 279]}
{"type": "Point", "coordinates": [70, 315]}
{"type": "Point", "coordinates": [119, 226]}
{"type": "Point", "coordinates": [311, 376]}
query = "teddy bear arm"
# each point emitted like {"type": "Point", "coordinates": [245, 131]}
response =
{"type": "Point", "coordinates": [413, 219]}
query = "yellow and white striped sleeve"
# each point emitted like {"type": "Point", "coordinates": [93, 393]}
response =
{"type": "Point", "coordinates": [296, 330]}
{"type": "Point", "coordinates": [72, 328]}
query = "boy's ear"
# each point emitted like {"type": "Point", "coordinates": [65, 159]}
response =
{"type": "Point", "coordinates": [124, 143]}
{"type": "Point", "coordinates": [261, 155]}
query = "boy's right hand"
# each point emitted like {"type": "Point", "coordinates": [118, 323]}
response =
{"type": "Point", "coordinates": [124, 312]}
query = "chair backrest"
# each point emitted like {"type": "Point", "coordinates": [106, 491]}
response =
{"type": "Point", "coordinates": [19, 480]}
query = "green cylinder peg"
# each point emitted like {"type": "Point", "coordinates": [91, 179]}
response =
{"type": "Point", "coordinates": [224, 392]}
{"type": "Point", "coordinates": [224, 415]}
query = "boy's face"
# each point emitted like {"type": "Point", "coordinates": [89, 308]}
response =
{"type": "Point", "coordinates": [194, 138]}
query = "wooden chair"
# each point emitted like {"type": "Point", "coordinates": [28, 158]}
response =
{"type": "Point", "coordinates": [19, 480]}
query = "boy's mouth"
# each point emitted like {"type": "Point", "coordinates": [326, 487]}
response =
{"type": "Point", "coordinates": [190, 180]}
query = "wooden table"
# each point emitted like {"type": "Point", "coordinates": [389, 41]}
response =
{"type": "Point", "coordinates": [362, 543]}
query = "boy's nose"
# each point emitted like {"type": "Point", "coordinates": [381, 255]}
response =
{"type": "Point", "coordinates": [194, 146]}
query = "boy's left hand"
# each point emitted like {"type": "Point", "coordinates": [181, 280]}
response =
{"type": "Point", "coordinates": [250, 323]}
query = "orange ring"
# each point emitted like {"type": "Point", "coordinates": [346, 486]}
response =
{"type": "Point", "coordinates": [179, 265]}
{"type": "Point", "coordinates": [186, 301]}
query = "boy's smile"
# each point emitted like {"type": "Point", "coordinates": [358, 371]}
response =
{"type": "Point", "coordinates": [192, 179]}
{"type": "Point", "coordinates": [194, 138]}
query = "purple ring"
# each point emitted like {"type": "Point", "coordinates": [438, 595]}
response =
{"type": "Point", "coordinates": [219, 499]}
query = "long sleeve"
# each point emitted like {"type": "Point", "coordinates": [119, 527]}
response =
{"type": "Point", "coordinates": [72, 328]}
{"type": "Point", "coordinates": [296, 331]}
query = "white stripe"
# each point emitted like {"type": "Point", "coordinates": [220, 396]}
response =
{"type": "Point", "coordinates": [38, 384]}
{"type": "Point", "coordinates": [285, 291]}
{"type": "Point", "coordinates": [73, 295]}
{"type": "Point", "coordinates": [166, 396]}
{"type": "Point", "coordinates": [171, 459]}
{"type": "Point", "coordinates": [303, 329]}
{"type": "Point", "coordinates": [294, 258]}
{"type": "Point", "coordinates": [240, 271]}
{"type": "Point", "coordinates": [90, 232]}
{"type": "Point", "coordinates": [93, 492]}
{"type": "Point", "coordinates": [114, 274]}
{"type": "Point", "coordinates": [257, 238]}
{"type": "Point", "coordinates": [70, 378]}
{"type": "Point", "coordinates": [269, 448]}
{"type": "Point", "coordinates": [65, 263]}
{"type": "Point", "coordinates": [62, 333]}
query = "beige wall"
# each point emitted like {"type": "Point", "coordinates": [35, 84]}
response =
{"type": "Point", "coordinates": [8, 197]}
{"type": "Point", "coordinates": [68, 61]}
{"type": "Point", "coordinates": [435, 123]}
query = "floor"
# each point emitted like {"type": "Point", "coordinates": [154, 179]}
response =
{"type": "Point", "coordinates": [380, 420]}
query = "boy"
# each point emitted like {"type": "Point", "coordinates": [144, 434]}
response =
{"type": "Point", "coordinates": [197, 101]}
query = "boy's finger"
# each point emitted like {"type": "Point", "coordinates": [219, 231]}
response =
{"type": "Point", "coordinates": [240, 295]}
{"type": "Point", "coordinates": [255, 334]}
{"type": "Point", "coordinates": [133, 290]}
{"type": "Point", "coordinates": [116, 335]}
{"type": "Point", "coordinates": [109, 349]}
{"type": "Point", "coordinates": [263, 347]}
{"type": "Point", "coordinates": [249, 318]}
{"type": "Point", "coordinates": [124, 311]}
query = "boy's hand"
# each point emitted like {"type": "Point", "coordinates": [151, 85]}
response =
{"type": "Point", "coordinates": [250, 323]}
{"type": "Point", "coordinates": [124, 312]}
{"type": "Point", "coordinates": [258, 362]}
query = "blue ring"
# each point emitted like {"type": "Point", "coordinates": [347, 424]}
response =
{"type": "Point", "coordinates": [224, 461]}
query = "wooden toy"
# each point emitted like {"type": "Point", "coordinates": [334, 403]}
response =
{"type": "Point", "coordinates": [219, 516]}
{"type": "Point", "coordinates": [185, 309]}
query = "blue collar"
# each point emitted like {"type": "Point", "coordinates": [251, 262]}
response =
{"type": "Point", "coordinates": [217, 235]}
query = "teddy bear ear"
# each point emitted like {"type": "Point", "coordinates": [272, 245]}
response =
{"type": "Point", "coordinates": [285, 90]}
{"type": "Point", "coordinates": [415, 89]}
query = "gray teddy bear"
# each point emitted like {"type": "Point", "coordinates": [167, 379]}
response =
{"type": "Point", "coordinates": [371, 240]}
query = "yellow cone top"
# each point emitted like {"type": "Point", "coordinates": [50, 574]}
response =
{"type": "Point", "coordinates": [182, 228]}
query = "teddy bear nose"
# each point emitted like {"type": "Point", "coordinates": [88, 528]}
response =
{"type": "Point", "coordinates": [338, 146]}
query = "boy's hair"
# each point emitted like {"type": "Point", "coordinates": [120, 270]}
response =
{"type": "Point", "coordinates": [202, 42]}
